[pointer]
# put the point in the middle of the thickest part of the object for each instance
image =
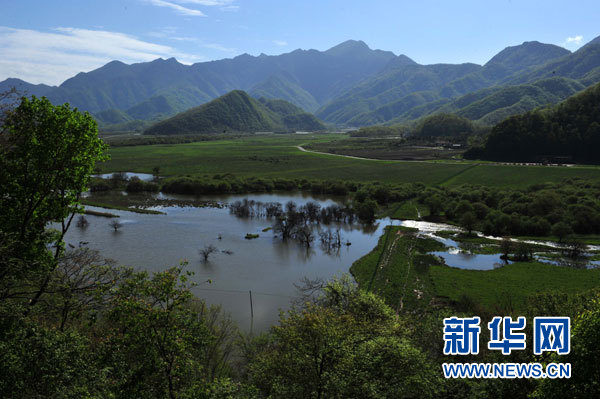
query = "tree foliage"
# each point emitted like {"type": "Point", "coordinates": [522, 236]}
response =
{"type": "Point", "coordinates": [568, 132]}
{"type": "Point", "coordinates": [584, 358]}
{"type": "Point", "coordinates": [346, 343]}
{"type": "Point", "coordinates": [47, 154]}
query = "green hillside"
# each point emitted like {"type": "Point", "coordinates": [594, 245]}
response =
{"type": "Point", "coordinates": [389, 86]}
{"type": "Point", "coordinates": [569, 131]}
{"type": "Point", "coordinates": [236, 111]}
{"type": "Point", "coordinates": [282, 87]}
{"type": "Point", "coordinates": [444, 125]}
{"type": "Point", "coordinates": [390, 111]}
{"type": "Point", "coordinates": [491, 106]}
{"type": "Point", "coordinates": [112, 117]}
{"type": "Point", "coordinates": [152, 108]}
{"type": "Point", "coordinates": [575, 66]}
{"type": "Point", "coordinates": [517, 58]}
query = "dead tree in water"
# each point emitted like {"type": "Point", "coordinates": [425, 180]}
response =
{"type": "Point", "coordinates": [116, 225]}
{"type": "Point", "coordinates": [82, 222]}
{"type": "Point", "coordinates": [305, 236]}
{"type": "Point", "coordinates": [207, 250]}
{"type": "Point", "coordinates": [330, 239]}
{"type": "Point", "coordinates": [285, 226]}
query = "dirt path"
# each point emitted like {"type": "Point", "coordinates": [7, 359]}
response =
{"type": "Point", "coordinates": [336, 155]}
{"type": "Point", "coordinates": [409, 265]}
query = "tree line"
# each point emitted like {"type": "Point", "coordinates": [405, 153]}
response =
{"type": "Point", "coordinates": [569, 132]}
{"type": "Point", "coordinates": [560, 209]}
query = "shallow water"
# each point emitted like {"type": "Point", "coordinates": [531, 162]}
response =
{"type": "Point", "coordinates": [129, 175]}
{"type": "Point", "coordinates": [266, 265]}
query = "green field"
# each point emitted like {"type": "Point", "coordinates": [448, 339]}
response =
{"type": "Point", "coordinates": [510, 284]}
{"type": "Point", "coordinates": [278, 156]}
{"type": "Point", "coordinates": [400, 271]}
{"type": "Point", "coordinates": [397, 269]}
{"type": "Point", "coordinates": [411, 210]}
{"type": "Point", "coordinates": [520, 176]}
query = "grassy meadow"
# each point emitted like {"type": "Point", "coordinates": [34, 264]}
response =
{"type": "Point", "coordinates": [400, 270]}
{"type": "Point", "coordinates": [510, 285]}
{"type": "Point", "coordinates": [278, 156]}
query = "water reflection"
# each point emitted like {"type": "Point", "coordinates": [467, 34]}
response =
{"type": "Point", "coordinates": [266, 265]}
{"type": "Point", "coordinates": [128, 175]}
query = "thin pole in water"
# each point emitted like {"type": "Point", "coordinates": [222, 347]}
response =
{"type": "Point", "coordinates": [251, 313]}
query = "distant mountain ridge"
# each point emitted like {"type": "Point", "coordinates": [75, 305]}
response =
{"type": "Point", "coordinates": [347, 85]}
{"type": "Point", "coordinates": [408, 92]}
{"type": "Point", "coordinates": [119, 86]}
{"type": "Point", "coordinates": [236, 111]}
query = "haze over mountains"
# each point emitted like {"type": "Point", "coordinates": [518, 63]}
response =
{"type": "Point", "coordinates": [347, 85]}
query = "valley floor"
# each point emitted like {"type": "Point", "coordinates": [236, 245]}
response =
{"type": "Point", "coordinates": [279, 157]}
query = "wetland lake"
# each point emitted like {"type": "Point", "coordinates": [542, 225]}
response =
{"type": "Point", "coordinates": [266, 265]}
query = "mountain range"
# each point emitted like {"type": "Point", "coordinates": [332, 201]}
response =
{"type": "Point", "coordinates": [347, 85]}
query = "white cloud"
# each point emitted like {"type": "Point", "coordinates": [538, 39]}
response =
{"type": "Point", "coordinates": [225, 5]}
{"type": "Point", "coordinates": [178, 8]}
{"type": "Point", "coordinates": [573, 43]}
{"type": "Point", "coordinates": [280, 42]}
{"type": "Point", "coordinates": [576, 39]}
{"type": "Point", "coordinates": [52, 57]}
{"type": "Point", "coordinates": [206, 2]}
{"type": "Point", "coordinates": [172, 33]}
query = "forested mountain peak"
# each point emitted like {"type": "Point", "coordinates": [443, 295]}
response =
{"type": "Point", "coordinates": [236, 111]}
{"type": "Point", "coordinates": [354, 48]}
{"type": "Point", "coordinates": [527, 54]}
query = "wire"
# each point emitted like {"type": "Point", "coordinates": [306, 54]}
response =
{"type": "Point", "coordinates": [245, 292]}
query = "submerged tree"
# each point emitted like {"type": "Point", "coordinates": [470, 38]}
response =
{"type": "Point", "coordinates": [207, 251]}
{"type": "Point", "coordinates": [285, 227]}
{"type": "Point", "coordinates": [115, 224]}
{"type": "Point", "coordinates": [82, 222]}
{"type": "Point", "coordinates": [330, 239]}
{"type": "Point", "coordinates": [305, 236]}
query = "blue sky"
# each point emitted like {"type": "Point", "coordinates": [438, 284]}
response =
{"type": "Point", "coordinates": [49, 41]}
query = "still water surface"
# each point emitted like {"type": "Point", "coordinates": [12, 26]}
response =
{"type": "Point", "coordinates": [267, 266]}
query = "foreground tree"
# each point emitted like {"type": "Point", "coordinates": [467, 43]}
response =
{"type": "Point", "coordinates": [157, 345]}
{"type": "Point", "coordinates": [584, 358]}
{"type": "Point", "coordinates": [47, 154]}
{"type": "Point", "coordinates": [42, 362]}
{"type": "Point", "coordinates": [346, 343]}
